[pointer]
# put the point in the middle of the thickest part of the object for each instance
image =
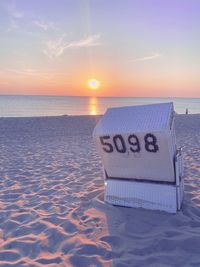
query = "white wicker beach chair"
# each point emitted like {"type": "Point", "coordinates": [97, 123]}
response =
{"type": "Point", "coordinates": [142, 164]}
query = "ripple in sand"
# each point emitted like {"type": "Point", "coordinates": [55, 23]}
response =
{"type": "Point", "coordinates": [9, 256]}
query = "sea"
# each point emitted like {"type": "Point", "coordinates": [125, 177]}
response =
{"type": "Point", "coordinates": [34, 106]}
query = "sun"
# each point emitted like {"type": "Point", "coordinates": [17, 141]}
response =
{"type": "Point", "coordinates": [93, 84]}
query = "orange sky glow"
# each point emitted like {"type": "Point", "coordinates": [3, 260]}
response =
{"type": "Point", "coordinates": [151, 49]}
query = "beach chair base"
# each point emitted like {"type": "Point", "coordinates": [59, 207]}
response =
{"type": "Point", "coordinates": [149, 195]}
{"type": "Point", "coordinates": [152, 196]}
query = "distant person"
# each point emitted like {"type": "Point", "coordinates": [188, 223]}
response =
{"type": "Point", "coordinates": [186, 111]}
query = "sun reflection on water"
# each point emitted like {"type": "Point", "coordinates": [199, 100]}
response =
{"type": "Point", "coordinates": [93, 106]}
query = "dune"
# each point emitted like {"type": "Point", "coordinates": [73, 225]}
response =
{"type": "Point", "coordinates": [52, 211]}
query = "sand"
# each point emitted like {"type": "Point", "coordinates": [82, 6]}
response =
{"type": "Point", "coordinates": [52, 211]}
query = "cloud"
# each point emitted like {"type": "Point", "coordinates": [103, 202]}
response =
{"type": "Point", "coordinates": [44, 25]}
{"type": "Point", "coordinates": [146, 58]}
{"type": "Point", "coordinates": [36, 74]}
{"type": "Point", "coordinates": [55, 48]}
{"type": "Point", "coordinates": [27, 71]}
{"type": "Point", "coordinates": [14, 15]}
{"type": "Point", "coordinates": [13, 25]}
{"type": "Point", "coordinates": [13, 11]}
{"type": "Point", "coordinates": [92, 40]}
{"type": "Point", "coordinates": [17, 14]}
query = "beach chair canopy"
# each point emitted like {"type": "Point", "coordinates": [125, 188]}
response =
{"type": "Point", "coordinates": [138, 142]}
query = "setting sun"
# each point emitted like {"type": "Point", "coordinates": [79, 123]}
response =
{"type": "Point", "coordinates": [93, 84]}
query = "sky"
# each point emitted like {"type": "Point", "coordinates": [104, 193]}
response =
{"type": "Point", "coordinates": [141, 48]}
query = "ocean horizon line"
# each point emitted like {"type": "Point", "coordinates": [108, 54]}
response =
{"type": "Point", "coordinates": [86, 96]}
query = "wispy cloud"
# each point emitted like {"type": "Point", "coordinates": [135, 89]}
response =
{"type": "Point", "coordinates": [13, 11]}
{"type": "Point", "coordinates": [92, 40]}
{"type": "Point", "coordinates": [44, 25]}
{"type": "Point", "coordinates": [24, 72]}
{"type": "Point", "coordinates": [36, 74]}
{"type": "Point", "coordinates": [13, 25]}
{"type": "Point", "coordinates": [17, 14]}
{"type": "Point", "coordinates": [146, 58]}
{"type": "Point", "coordinates": [55, 48]}
{"type": "Point", "coordinates": [14, 14]}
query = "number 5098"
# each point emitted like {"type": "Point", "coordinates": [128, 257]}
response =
{"type": "Point", "coordinates": [117, 142]}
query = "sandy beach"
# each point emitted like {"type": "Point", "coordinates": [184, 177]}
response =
{"type": "Point", "coordinates": [52, 211]}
